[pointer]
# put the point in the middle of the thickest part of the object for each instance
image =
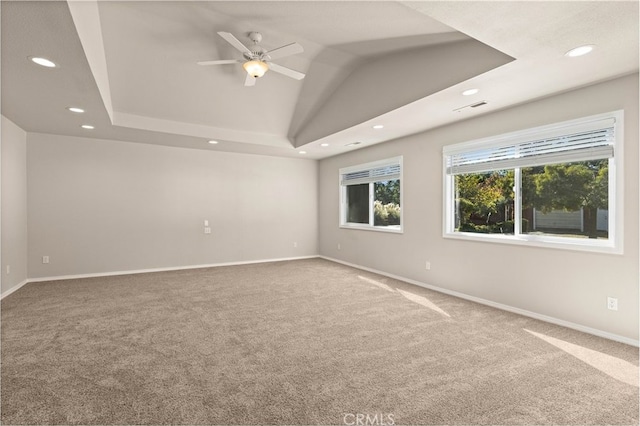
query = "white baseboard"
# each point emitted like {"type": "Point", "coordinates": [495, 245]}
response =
{"type": "Point", "coordinates": [13, 289]}
{"type": "Point", "coordinates": [486, 302]}
{"type": "Point", "coordinates": [173, 268]}
{"type": "Point", "coordinates": [501, 306]}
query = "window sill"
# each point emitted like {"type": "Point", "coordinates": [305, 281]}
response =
{"type": "Point", "coordinates": [585, 245]}
{"type": "Point", "coordinates": [360, 227]}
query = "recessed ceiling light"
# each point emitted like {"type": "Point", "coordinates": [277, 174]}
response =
{"type": "Point", "coordinates": [470, 92]}
{"type": "Point", "coordinates": [302, 152]}
{"type": "Point", "coordinates": [579, 51]}
{"type": "Point", "coordinates": [76, 110]}
{"type": "Point", "coordinates": [43, 62]}
{"type": "Point", "coordinates": [324, 145]}
{"type": "Point", "coordinates": [87, 126]}
{"type": "Point", "coordinates": [212, 142]}
{"type": "Point", "coordinates": [378, 126]}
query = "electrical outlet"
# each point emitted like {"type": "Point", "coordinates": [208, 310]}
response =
{"type": "Point", "coordinates": [206, 222]}
{"type": "Point", "coordinates": [427, 265]}
{"type": "Point", "coordinates": [45, 259]}
{"type": "Point", "coordinates": [8, 269]}
{"type": "Point", "coordinates": [207, 230]}
{"type": "Point", "coordinates": [612, 303]}
{"type": "Point", "coordinates": [339, 246]}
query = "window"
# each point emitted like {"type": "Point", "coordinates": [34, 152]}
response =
{"type": "Point", "coordinates": [552, 186]}
{"type": "Point", "coordinates": [370, 196]}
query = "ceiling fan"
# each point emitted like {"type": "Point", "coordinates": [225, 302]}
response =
{"type": "Point", "coordinates": [258, 60]}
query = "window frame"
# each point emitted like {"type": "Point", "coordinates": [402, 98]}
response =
{"type": "Point", "coordinates": [614, 243]}
{"type": "Point", "coordinates": [342, 219]}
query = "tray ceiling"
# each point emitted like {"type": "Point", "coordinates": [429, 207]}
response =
{"type": "Point", "coordinates": [132, 66]}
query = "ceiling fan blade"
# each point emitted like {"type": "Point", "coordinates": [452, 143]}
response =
{"type": "Point", "coordinates": [286, 71]}
{"type": "Point", "coordinates": [250, 81]}
{"type": "Point", "coordinates": [287, 50]}
{"type": "Point", "coordinates": [234, 42]}
{"type": "Point", "coordinates": [219, 62]}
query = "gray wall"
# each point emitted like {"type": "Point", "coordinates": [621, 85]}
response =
{"type": "Point", "coordinates": [14, 204]}
{"type": "Point", "coordinates": [99, 206]}
{"type": "Point", "coordinates": [104, 206]}
{"type": "Point", "coordinates": [567, 285]}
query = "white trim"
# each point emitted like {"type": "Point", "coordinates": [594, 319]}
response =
{"type": "Point", "coordinates": [486, 302]}
{"type": "Point", "coordinates": [174, 268]}
{"type": "Point", "coordinates": [13, 289]}
{"type": "Point", "coordinates": [547, 241]}
{"type": "Point", "coordinates": [613, 245]}
{"type": "Point", "coordinates": [342, 188]}
{"type": "Point", "coordinates": [365, 227]}
{"type": "Point", "coordinates": [523, 312]}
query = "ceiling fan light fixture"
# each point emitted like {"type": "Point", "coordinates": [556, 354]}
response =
{"type": "Point", "coordinates": [255, 68]}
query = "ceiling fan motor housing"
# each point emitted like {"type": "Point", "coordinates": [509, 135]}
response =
{"type": "Point", "coordinates": [257, 53]}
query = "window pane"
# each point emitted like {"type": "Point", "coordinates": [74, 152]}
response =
{"type": "Point", "coordinates": [484, 202]}
{"type": "Point", "coordinates": [358, 203]}
{"type": "Point", "coordinates": [568, 200]}
{"type": "Point", "coordinates": [386, 206]}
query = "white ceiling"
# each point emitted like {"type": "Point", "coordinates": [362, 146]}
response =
{"type": "Point", "coordinates": [132, 66]}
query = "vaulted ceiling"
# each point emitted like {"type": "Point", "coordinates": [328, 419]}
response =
{"type": "Point", "coordinates": [132, 66]}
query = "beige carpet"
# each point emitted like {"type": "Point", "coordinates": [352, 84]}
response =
{"type": "Point", "coordinates": [301, 342]}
